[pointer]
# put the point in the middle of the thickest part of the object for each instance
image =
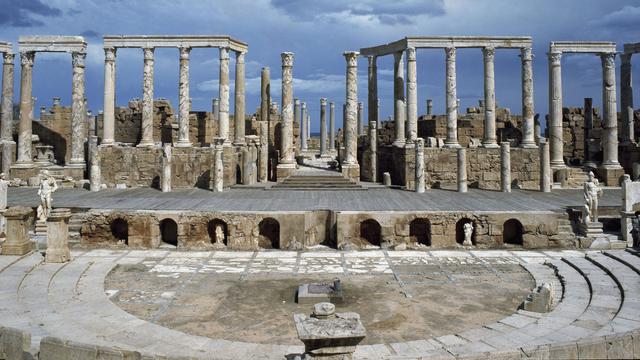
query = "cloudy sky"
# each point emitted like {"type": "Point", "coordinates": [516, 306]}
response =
{"type": "Point", "coordinates": [318, 31]}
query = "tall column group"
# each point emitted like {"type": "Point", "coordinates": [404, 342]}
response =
{"type": "Point", "coordinates": [555, 110]}
{"type": "Point", "coordinates": [108, 114]}
{"type": "Point", "coordinates": [489, 140]}
{"type": "Point", "coordinates": [26, 105]}
{"type": "Point", "coordinates": [183, 99]}
{"type": "Point", "coordinates": [412, 96]}
{"type": "Point", "coordinates": [239, 108]}
{"type": "Point", "coordinates": [223, 86]}
{"type": "Point", "coordinates": [287, 160]}
{"type": "Point", "coordinates": [350, 131]}
{"type": "Point", "coordinates": [399, 110]}
{"type": "Point", "coordinates": [451, 97]}
{"type": "Point", "coordinates": [528, 126]}
{"type": "Point", "coordinates": [609, 114]}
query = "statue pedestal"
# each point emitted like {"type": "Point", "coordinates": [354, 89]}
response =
{"type": "Point", "coordinates": [41, 228]}
{"type": "Point", "coordinates": [591, 229]}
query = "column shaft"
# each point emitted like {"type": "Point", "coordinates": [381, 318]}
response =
{"type": "Point", "coordinates": [626, 100]}
{"type": "Point", "coordinates": [147, 99]}
{"type": "Point", "coordinates": [462, 169]}
{"type": "Point", "coordinates": [360, 118]}
{"type": "Point", "coordinates": [7, 99]}
{"type": "Point", "coordinates": [545, 166]}
{"type": "Point", "coordinates": [215, 111]}
{"type": "Point", "coordinates": [183, 99]}
{"type": "Point", "coordinates": [24, 136]}
{"type": "Point", "coordinates": [528, 127]}
{"type": "Point", "coordinates": [95, 176]}
{"type": "Point", "coordinates": [420, 180]}
{"type": "Point", "coordinates": [263, 164]}
{"type": "Point", "coordinates": [429, 106]}
{"type": "Point", "coordinates": [239, 106]}
{"type": "Point", "coordinates": [323, 127]}
{"type": "Point", "coordinates": [303, 126]}
{"type": "Point", "coordinates": [223, 89]}
{"type": "Point", "coordinates": [505, 166]}
{"type": "Point", "coordinates": [351, 109]}
{"type": "Point", "coordinates": [412, 96]}
{"type": "Point", "coordinates": [489, 140]}
{"type": "Point", "coordinates": [373, 148]}
{"type": "Point", "coordinates": [451, 97]}
{"type": "Point", "coordinates": [399, 109]}
{"type": "Point", "coordinates": [372, 99]}
{"type": "Point", "coordinates": [610, 117]}
{"type": "Point", "coordinates": [332, 126]}
{"type": "Point", "coordinates": [555, 110]}
{"type": "Point", "coordinates": [265, 104]}
{"type": "Point", "coordinates": [108, 114]}
{"type": "Point", "coordinates": [286, 151]}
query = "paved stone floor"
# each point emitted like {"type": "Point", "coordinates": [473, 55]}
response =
{"type": "Point", "coordinates": [256, 199]}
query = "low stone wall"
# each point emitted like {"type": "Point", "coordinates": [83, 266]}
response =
{"type": "Point", "coordinates": [15, 344]}
{"type": "Point", "coordinates": [52, 348]}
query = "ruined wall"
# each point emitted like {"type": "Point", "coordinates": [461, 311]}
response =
{"type": "Point", "coordinates": [54, 128]}
{"type": "Point", "coordinates": [573, 135]}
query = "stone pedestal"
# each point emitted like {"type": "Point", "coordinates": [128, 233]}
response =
{"type": "Point", "coordinates": [17, 242]}
{"type": "Point", "coordinates": [610, 176]}
{"type": "Point", "coordinates": [592, 229]}
{"type": "Point", "coordinates": [329, 335]}
{"type": "Point", "coordinates": [58, 236]}
{"type": "Point", "coordinates": [351, 171]}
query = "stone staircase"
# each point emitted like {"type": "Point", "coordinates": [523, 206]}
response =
{"type": "Point", "coordinates": [317, 182]}
{"type": "Point", "coordinates": [566, 236]}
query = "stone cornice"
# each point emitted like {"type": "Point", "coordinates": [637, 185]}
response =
{"type": "Point", "coordinates": [174, 41]}
{"type": "Point", "coordinates": [52, 43]}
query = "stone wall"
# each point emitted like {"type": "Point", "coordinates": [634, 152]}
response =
{"type": "Point", "coordinates": [54, 128]}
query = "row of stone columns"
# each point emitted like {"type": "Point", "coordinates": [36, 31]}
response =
{"type": "Point", "coordinates": [221, 114]}
{"type": "Point", "coordinates": [408, 106]}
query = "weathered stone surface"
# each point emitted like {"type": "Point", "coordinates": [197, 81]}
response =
{"type": "Point", "coordinates": [17, 241]}
{"type": "Point", "coordinates": [58, 236]}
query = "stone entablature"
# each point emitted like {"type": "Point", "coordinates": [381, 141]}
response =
{"type": "Point", "coordinates": [6, 47]}
{"type": "Point", "coordinates": [504, 42]}
{"type": "Point", "coordinates": [52, 43]}
{"type": "Point", "coordinates": [174, 41]}
{"type": "Point", "coordinates": [595, 47]}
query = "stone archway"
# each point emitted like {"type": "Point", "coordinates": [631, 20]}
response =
{"type": "Point", "coordinates": [215, 235]}
{"type": "Point", "coordinates": [120, 230]}
{"type": "Point", "coordinates": [371, 232]}
{"type": "Point", "coordinates": [269, 234]}
{"type": "Point", "coordinates": [169, 232]}
{"type": "Point", "coordinates": [460, 230]}
{"type": "Point", "coordinates": [420, 230]}
{"type": "Point", "coordinates": [512, 232]}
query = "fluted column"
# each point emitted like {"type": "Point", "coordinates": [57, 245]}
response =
{"type": "Point", "coordinates": [323, 126]}
{"type": "Point", "coordinates": [332, 126]}
{"type": "Point", "coordinates": [528, 133]}
{"type": "Point", "coordinates": [303, 125]}
{"type": "Point", "coordinates": [95, 175]}
{"type": "Point", "coordinates": [265, 96]}
{"type": "Point", "coordinates": [286, 151]}
{"type": "Point", "coordinates": [263, 162]}
{"type": "Point", "coordinates": [183, 99]}
{"type": "Point", "coordinates": [360, 118]}
{"type": "Point", "coordinates": [78, 111]}
{"type": "Point", "coordinates": [223, 89]}
{"type": "Point", "coordinates": [108, 113]}
{"type": "Point", "coordinates": [7, 98]}
{"type": "Point", "coordinates": [239, 107]}
{"type": "Point", "coordinates": [147, 99]}
{"type": "Point", "coordinates": [24, 136]}
{"type": "Point", "coordinates": [429, 106]}
{"type": "Point", "coordinates": [626, 100]}
{"type": "Point", "coordinates": [412, 96]}
{"type": "Point", "coordinates": [420, 180]}
{"type": "Point", "coordinates": [555, 110]}
{"type": "Point", "coordinates": [489, 140]}
{"type": "Point", "coordinates": [609, 113]}
{"type": "Point", "coordinates": [372, 93]}
{"type": "Point", "coordinates": [451, 97]}
{"type": "Point", "coordinates": [350, 123]}
{"type": "Point", "coordinates": [399, 110]}
{"type": "Point", "coordinates": [373, 148]}
{"type": "Point", "coordinates": [545, 166]}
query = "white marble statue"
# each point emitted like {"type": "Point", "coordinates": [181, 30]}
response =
{"type": "Point", "coordinates": [468, 233]}
{"type": "Point", "coordinates": [219, 234]}
{"type": "Point", "coordinates": [592, 192]}
{"type": "Point", "coordinates": [47, 187]}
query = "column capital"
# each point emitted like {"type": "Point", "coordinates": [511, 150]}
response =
{"type": "Point", "coordinates": [27, 58]}
{"type": "Point", "coordinates": [332, 105]}
{"type": "Point", "coordinates": [110, 54]}
{"type": "Point", "coordinates": [323, 101]}
{"type": "Point", "coordinates": [303, 104]}
{"type": "Point", "coordinates": [296, 101]}
{"type": "Point", "coordinates": [373, 59]}
{"type": "Point", "coordinates": [78, 58]}
{"type": "Point", "coordinates": [240, 56]}
{"type": "Point", "coordinates": [8, 58]}
{"type": "Point", "coordinates": [148, 53]}
{"type": "Point", "coordinates": [488, 52]}
{"type": "Point", "coordinates": [411, 54]}
{"type": "Point", "coordinates": [555, 56]}
{"type": "Point", "coordinates": [526, 54]}
{"type": "Point", "coordinates": [224, 53]}
{"type": "Point", "coordinates": [184, 52]}
{"type": "Point", "coordinates": [608, 60]}
{"type": "Point", "coordinates": [450, 52]}
{"type": "Point", "coordinates": [419, 142]}
{"type": "Point", "coordinates": [287, 59]}
{"type": "Point", "coordinates": [351, 57]}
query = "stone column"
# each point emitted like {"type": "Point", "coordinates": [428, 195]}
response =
{"type": "Point", "coordinates": [489, 141]}
{"type": "Point", "coordinates": [239, 108]}
{"type": "Point", "coordinates": [58, 236]}
{"type": "Point", "coordinates": [183, 99]}
{"type": "Point", "coordinates": [218, 166]}
{"type": "Point", "coordinates": [452, 106]}
{"type": "Point", "coordinates": [7, 99]}
{"type": "Point", "coordinates": [528, 127]}
{"type": "Point", "coordinates": [399, 110]}
{"type": "Point", "coordinates": [165, 179]}
{"type": "Point", "coordinates": [24, 137]}
{"type": "Point", "coordinates": [360, 118]}
{"type": "Point", "coordinates": [462, 170]}
{"type": "Point", "coordinates": [609, 113]}
{"type": "Point", "coordinates": [420, 181]}
{"type": "Point", "coordinates": [265, 104]}
{"type": "Point", "coordinates": [412, 96]}
{"type": "Point", "coordinates": [505, 166]}
{"type": "Point", "coordinates": [373, 148]}
{"type": "Point", "coordinates": [298, 118]}
{"type": "Point", "coordinates": [350, 164]}
{"type": "Point", "coordinates": [263, 162]}
{"type": "Point", "coordinates": [215, 111]}
{"type": "Point", "coordinates": [308, 117]}
{"type": "Point", "coordinates": [108, 113]}
{"type": "Point", "coordinates": [303, 126]}
{"type": "Point", "coordinates": [147, 99]}
{"type": "Point", "coordinates": [588, 126]}
{"type": "Point", "coordinates": [323, 127]}
{"type": "Point", "coordinates": [95, 176]}
{"type": "Point", "coordinates": [287, 161]}
{"type": "Point", "coordinates": [378, 112]}
{"type": "Point", "coordinates": [429, 107]}
{"type": "Point", "coordinates": [536, 128]}
{"type": "Point", "coordinates": [78, 111]}
{"type": "Point", "coordinates": [626, 100]}
{"type": "Point", "coordinates": [372, 99]}
{"type": "Point", "coordinates": [545, 166]}
{"type": "Point", "coordinates": [332, 126]}
{"type": "Point", "coordinates": [555, 110]}
{"type": "Point", "coordinates": [223, 89]}
{"type": "Point", "coordinates": [17, 241]}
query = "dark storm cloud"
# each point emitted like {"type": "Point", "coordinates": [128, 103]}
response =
{"type": "Point", "coordinates": [24, 13]}
{"type": "Point", "coordinates": [90, 34]}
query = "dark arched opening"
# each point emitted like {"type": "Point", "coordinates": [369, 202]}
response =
{"type": "Point", "coordinates": [512, 232]}
{"type": "Point", "coordinates": [120, 230]}
{"type": "Point", "coordinates": [269, 234]}
{"type": "Point", "coordinates": [217, 230]}
{"type": "Point", "coordinates": [371, 232]}
{"type": "Point", "coordinates": [169, 232]}
{"type": "Point", "coordinates": [460, 231]}
{"type": "Point", "coordinates": [420, 230]}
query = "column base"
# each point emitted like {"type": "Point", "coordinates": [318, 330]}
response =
{"type": "Point", "coordinates": [399, 143]}
{"type": "Point", "coordinates": [239, 143]}
{"type": "Point", "coordinates": [57, 256]}
{"type": "Point", "coordinates": [558, 164]}
{"type": "Point", "coordinates": [23, 164]}
{"type": "Point", "coordinates": [146, 144]}
{"type": "Point", "coordinates": [107, 142]}
{"type": "Point", "coordinates": [283, 171]}
{"type": "Point", "coordinates": [610, 173]}
{"type": "Point", "coordinates": [490, 145]}
{"type": "Point", "coordinates": [17, 249]}
{"type": "Point", "coordinates": [183, 143]}
{"type": "Point", "coordinates": [76, 164]}
{"type": "Point", "coordinates": [351, 172]}
{"type": "Point", "coordinates": [529, 145]}
{"type": "Point", "coordinates": [452, 145]}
